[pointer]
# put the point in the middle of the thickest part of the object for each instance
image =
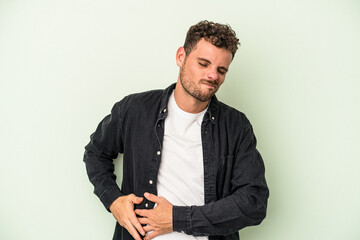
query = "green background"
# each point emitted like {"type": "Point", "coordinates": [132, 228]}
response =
{"type": "Point", "coordinates": [63, 64]}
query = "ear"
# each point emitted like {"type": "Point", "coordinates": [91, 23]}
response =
{"type": "Point", "coordinates": [180, 56]}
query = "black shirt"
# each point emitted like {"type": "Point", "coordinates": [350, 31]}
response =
{"type": "Point", "coordinates": [236, 192]}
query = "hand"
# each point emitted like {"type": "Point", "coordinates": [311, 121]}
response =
{"type": "Point", "coordinates": [123, 210]}
{"type": "Point", "coordinates": [159, 219]}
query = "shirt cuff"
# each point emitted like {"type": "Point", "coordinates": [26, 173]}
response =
{"type": "Point", "coordinates": [109, 196]}
{"type": "Point", "coordinates": [181, 219]}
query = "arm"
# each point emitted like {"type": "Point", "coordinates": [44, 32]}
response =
{"type": "Point", "coordinates": [244, 206]}
{"type": "Point", "coordinates": [104, 146]}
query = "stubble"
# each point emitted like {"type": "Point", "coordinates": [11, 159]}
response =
{"type": "Point", "coordinates": [193, 90]}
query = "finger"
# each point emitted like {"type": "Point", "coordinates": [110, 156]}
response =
{"type": "Point", "coordinates": [142, 212]}
{"type": "Point", "coordinates": [152, 197]}
{"type": "Point", "coordinates": [151, 235]}
{"type": "Point", "coordinates": [148, 228]}
{"type": "Point", "coordinates": [144, 221]}
{"type": "Point", "coordinates": [132, 231]}
{"type": "Point", "coordinates": [134, 221]}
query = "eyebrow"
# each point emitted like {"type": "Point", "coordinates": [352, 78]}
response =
{"type": "Point", "coordinates": [206, 60]}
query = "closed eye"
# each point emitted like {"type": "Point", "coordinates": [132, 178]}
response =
{"type": "Point", "coordinates": [222, 70]}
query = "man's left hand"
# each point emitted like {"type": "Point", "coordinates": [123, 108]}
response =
{"type": "Point", "coordinates": [159, 219]}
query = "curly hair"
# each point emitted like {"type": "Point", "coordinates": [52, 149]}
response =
{"type": "Point", "coordinates": [220, 35]}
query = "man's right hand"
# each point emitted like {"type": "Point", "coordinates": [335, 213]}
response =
{"type": "Point", "coordinates": [123, 210]}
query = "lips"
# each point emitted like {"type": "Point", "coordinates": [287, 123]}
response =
{"type": "Point", "coordinates": [210, 84]}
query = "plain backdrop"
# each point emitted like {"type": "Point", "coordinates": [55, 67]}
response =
{"type": "Point", "coordinates": [63, 64]}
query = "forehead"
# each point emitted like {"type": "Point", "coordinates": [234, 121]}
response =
{"type": "Point", "coordinates": [207, 50]}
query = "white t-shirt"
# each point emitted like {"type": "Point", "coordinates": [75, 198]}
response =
{"type": "Point", "coordinates": [181, 172]}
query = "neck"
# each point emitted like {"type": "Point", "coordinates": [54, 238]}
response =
{"type": "Point", "coordinates": [187, 102]}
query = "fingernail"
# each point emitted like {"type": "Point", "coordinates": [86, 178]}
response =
{"type": "Point", "coordinates": [146, 194]}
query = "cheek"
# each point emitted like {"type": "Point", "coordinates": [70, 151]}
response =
{"type": "Point", "coordinates": [195, 73]}
{"type": "Point", "coordinates": [221, 80]}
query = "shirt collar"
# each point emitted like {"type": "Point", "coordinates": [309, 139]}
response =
{"type": "Point", "coordinates": [212, 113]}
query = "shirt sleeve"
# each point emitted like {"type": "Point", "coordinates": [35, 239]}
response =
{"type": "Point", "coordinates": [104, 146]}
{"type": "Point", "coordinates": [245, 206]}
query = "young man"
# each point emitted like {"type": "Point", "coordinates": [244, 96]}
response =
{"type": "Point", "coordinates": [191, 169]}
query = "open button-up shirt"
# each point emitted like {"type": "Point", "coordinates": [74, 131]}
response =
{"type": "Point", "coordinates": [236, 192]}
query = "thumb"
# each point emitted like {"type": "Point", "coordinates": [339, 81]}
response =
{"type": "Point", "coordinates": [136, 200]}
{"type": "Point", "coordinates": [152, 197]}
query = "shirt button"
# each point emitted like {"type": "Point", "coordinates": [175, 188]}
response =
{"type": "Point", "coordinates": [158, 153]}
{"type": "Point", "coordinates": [212, 118]}
{"type": "Point", "coordinates": [151, 182]}
{"type": "Point", "coordinates": [146, 205]}
{"type": "Point", "coordinates": [165, 110]}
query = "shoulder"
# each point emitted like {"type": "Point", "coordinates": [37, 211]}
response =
{"type": "Point", "coordinates": [141, 97]}
{"type": "Point", "coordinates": [232, 115]}
{"type": "Point", "coordinates": [139, 102]}
{"type": "Point", "coordinates": [144, 97]}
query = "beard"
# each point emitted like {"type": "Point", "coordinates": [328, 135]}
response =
{"type": "Point", "coordinates": [195, 91]}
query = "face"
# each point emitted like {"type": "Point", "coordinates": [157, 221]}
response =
{"type": "Point", "coordinates": [203, 71]}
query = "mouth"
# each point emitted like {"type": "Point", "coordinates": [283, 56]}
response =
{"type": "Point", "coordinates": [209, 84]}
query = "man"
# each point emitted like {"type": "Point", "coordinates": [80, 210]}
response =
{"type": "Point", "coordinates": [190, 165]}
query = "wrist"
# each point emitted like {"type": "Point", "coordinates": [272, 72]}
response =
{"type": "Point", "coordinates": [181, 218]}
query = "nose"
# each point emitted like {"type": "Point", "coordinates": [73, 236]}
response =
{"type": "Point", "coordinates": [212, 74]}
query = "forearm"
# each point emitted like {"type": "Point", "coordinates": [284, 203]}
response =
{"type": "Point", "coordinates": [104, 146]}
{"type": "Point", "coordinates": [100, 170]}
{"type": "Point", "coordinates": [222, 217]}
